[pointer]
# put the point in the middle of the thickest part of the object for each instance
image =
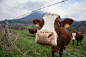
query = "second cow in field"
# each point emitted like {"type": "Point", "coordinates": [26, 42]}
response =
{"type": "Point", "coordinates": [77, 36]}
{"type": "Point", "coordinates": [32, 31]}
{"type": "Point", "coordinates": [52, 33]}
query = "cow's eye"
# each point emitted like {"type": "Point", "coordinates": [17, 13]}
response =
{"type": "Point", "coordinates": [59, 22]}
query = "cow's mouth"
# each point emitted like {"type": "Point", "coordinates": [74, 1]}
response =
{"type": "Point", "coordinates": [44, 38]}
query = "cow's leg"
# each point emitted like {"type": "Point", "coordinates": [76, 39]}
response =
{"type": "Point", "coordinates": [33, 34]}
{"type": "Point", "coordinates": [61, 50]}
{"type": "Point", "coordinates": [30, 34]}
{"type": "Point", "coordinates": [52, 52]}
{"type": "Point", "coordinates": [77, 42]}
{"type": "Point", "coordinates": [64, 48]}
{"type": "Point", "coordinates": [73, 43]}
{"type": "Point", "coordinates": [80, 41]}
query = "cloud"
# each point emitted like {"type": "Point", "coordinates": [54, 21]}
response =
{"type": "Point", "coordinates": [73, 9]}
{"type": "Point", "coordinates": [77, 11]}
{"type": "Point", "coordinates": [10, 9]}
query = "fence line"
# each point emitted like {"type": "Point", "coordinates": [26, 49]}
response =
{"type": "Point", "coordinates": [6, 32]}
{"type": "Point", "coordinates": [7, 36]}
{"type": "Point", "coordinates": [49, 48]}
{"type": "Point", "coordinates": [0, 33]}
{"type": "Point", "coordinates": [64, 53]}
{"type": "Point", "coordinates": [18, 49]}
{"type": "Point", "coordinates": [39, 9]}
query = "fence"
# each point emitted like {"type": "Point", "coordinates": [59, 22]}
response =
{"type": "Point", "coordinates": [20, 43]}
{"type": "Point", "coordinates": [12, 39]}
{"type": "Point", "coordinates": [18, 38]}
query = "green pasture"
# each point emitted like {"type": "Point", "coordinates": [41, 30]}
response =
{"type": "Point", "coordinates": [24, 46]}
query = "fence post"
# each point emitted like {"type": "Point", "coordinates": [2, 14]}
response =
{"type": "Point", "coordinates": [6, 32]}
{"type": "Point", "coordinates": [0, 33]}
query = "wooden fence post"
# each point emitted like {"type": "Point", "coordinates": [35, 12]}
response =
{"type": "Point", "coordinates": [6, 32]}
{"type": "Point", "coordinates": [0, 33]}
{"type": "Point", "coordinates": [0, 28]}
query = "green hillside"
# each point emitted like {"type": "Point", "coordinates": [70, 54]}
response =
{"type": "Point", "coordinates": [23, 45]}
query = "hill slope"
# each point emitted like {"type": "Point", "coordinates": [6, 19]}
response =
{"type": "Point", "coordinates": [27, 21]}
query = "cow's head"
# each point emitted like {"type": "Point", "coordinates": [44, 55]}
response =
{"type": "Point", "coordinates": [74, 36]}
{"type": "Point", "coordinates": [50, 27]}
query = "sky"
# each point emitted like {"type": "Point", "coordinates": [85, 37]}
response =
{"type": "Point", "coordinates": [75, 9]}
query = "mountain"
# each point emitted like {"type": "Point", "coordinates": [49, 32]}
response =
{"type": "Point", "coordinates": [27, 19]}
{"type": "Point", "coordinates": [34, 15]}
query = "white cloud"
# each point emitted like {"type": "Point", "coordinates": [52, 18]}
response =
{"type": "Point", "coordinates": [77, 11]}
{"type": "Point", "coordinates": [9, 9]}
{"type": "Point", "coordinates": [13, 8]}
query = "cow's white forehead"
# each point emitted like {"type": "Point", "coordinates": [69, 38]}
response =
{"type": "Point", "coordinates": [49, 20]}
{"type": "Point", "coordinates": [50, 17]}
{"type": "Point", "coordinates": [73, 34]}
{"type": "Point", "coordinates": [51, 14]}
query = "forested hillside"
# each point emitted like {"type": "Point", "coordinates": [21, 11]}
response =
{"type": "Point", "coordinates": [78, 26]}
{"type": "Point", "coordinates": [27, 21]}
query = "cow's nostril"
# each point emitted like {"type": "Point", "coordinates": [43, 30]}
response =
{"type": "Point", "coordinates": [49, 35]}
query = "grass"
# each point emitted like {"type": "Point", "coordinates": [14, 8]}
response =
{"type": "Point", "coordinates": [28, 27]}
{"type": "Point", "coordinates": [26, 44]}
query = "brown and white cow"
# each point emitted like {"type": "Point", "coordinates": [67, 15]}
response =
{"type": "Point", "coordinates": [77, 36]}
{"type": "Point", "coordinates": [32, 31]}
{"type": "Point", "coordinates": [52, 33]}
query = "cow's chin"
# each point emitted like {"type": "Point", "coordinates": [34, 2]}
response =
{"type": "Point", "coordinates": [45, 39]}
{"type": "Point", "coordinates": [73, 40]}
{"type": "Point", "coordinates": [45, 45]}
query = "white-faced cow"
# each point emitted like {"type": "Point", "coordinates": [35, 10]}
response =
{"type": "Point", "coordinates": [52, 33]}
{"type": "Point", "coordinates": [77, 36]}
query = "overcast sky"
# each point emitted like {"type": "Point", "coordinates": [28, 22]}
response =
{"type": "Point", "coordinates": [75, 9]}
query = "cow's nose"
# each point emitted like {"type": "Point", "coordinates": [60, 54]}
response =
{"type": "Point", "coordinates": [44, 37]}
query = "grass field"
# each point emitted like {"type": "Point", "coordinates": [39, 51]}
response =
{"type": "Point", "coordinates": [23, 45]}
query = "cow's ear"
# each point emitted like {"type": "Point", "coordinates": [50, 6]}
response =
{"type": "Point", "coordinates": [58, 19]}
{"type": "Point", "coordinates": [67, 22]}
{"type": "Point", "coordinates": [36, 22]}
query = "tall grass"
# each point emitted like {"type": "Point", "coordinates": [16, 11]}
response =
{"type": "Point", "coordinates": [26, 44]}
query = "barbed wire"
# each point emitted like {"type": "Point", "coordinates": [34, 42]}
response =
{"type": "Point", "coordinates": [18, 49]}
{"type": "Point", "coordinates": [46, 47]}
{"type": "Point", "coordinates": [39, 9]}
{"type": "Point", "coordinates": [64, 53]}
{"type": "Point", "coordinates": [35, 43]}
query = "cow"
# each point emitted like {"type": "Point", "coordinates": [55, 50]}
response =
{"type": "Point", "coordinates": [77, 36]}
{"type": "Point", "coordinates": [12, 31]}
{"type": "Point", "coordinates": [32, 31]}
{"type": "Point", "coordinates": [53, 32]}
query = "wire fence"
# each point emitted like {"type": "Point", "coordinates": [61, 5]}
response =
{"type": "Point", "coordinates": [18, 37]}
{"type": "Point", "coordinates": [21, 16]}
{"type": "Point", "coordinates": [48, 48]}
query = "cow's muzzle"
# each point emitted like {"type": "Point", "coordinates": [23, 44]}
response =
{"type": "Point", "coordinates": [44, 37]}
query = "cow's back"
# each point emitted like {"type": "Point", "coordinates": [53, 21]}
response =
{"type": "Point", "coordinates": [32, 30]}
{"type": "Point", "coordinates": [79, 35]}
{"type": "Point", "coordinates": [64, 36]}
